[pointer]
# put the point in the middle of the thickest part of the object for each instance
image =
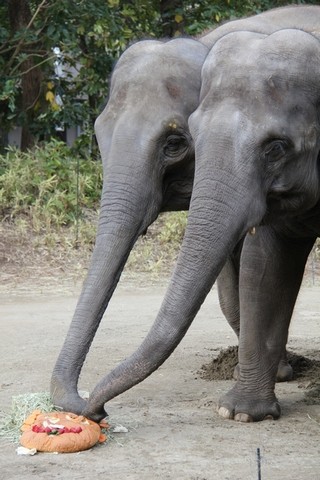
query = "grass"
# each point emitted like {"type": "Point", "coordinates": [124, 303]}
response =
{"type": "Point", "coordinates": [48, 185]}
{"type": "Point", "coordinates": [49, 214]}
{"type": "Point", "coordinates": [22, 406]}
{"type": "Point", "coordinates": [63, 254]}
{"type": "Point", "coordinates": [156, 252]}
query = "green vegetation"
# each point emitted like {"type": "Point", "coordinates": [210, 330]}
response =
{"type": "Point", "coordinates": [22, 406]}
{"type": "Point", "coordinates": [157, 250]}
{"type": "Point", "coordinates": [49, 196]}
{"type": "Point", "coordinates": [48, 185]}
{"type": "Point", "coordinates": [84, 39]}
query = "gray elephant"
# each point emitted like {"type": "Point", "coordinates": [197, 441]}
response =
{"type": "Point", "coordinates": [257, 143]}
{"type": "Point", "coordinates": [301, 17]}
{"type": "Point", "coordinates": [304, 17]}
{"type": "Point", "coordinates": [272, 261]}
{"type": "Point", "coordinates": [148, 167]}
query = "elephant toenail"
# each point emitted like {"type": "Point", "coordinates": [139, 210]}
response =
{"type": "Point", "coordinates": [225, 413]}
{"type": "Point", "coordinates": [243, 417]}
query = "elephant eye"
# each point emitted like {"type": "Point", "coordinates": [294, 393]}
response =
{"type": "Point", "coordinates": [276, 150]}
{"type": "Point", "coordinates": [175, 145]}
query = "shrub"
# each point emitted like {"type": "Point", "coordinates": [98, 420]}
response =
{"type": "Point", "coordinates": [51, 187]}
{"type": "Point", "coordinates": [173, 227]}
{"type": "Point", "coordinates": [49, 184]}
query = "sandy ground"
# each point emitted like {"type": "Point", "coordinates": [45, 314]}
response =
{"type": "Point", "coordinates": [174, 431]}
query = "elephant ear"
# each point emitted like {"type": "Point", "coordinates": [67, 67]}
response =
{"type": "Point", "coordinates": [316, 34]}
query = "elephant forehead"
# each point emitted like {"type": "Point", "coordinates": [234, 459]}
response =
{"type": "Point", "coordinates": [173, 87]}
{"type": "Point", "coordinates": [140, 92]}
{"type": "Point", "coordinates": [266, 79]}
{"type": "Point", "coordinates": [252, 66]}
{"type": "Point", "coordinates": [153, 97]}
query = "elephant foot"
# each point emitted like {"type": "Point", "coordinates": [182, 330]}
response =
{"type": "Point", "coordinates": [284, 373]}
{"type": "Point", "coordinates": [236, 372]}
{"type": "Point", "coordinates": [239, 405]}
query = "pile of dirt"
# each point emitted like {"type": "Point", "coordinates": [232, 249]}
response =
{"type": "Point", "coordinates": [222, 367]}
{"type": "Point", "coordinates": [305, 370]}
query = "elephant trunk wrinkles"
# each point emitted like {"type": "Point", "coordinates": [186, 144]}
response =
{"type": "Point", "coordinates": [125, 213]}
{"type": "Point", "coordinates": [205, 247]}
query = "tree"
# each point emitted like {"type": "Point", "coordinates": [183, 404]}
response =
{"type": "Point", "coordinates": [83, 40]}
{"type": "Point", "coordinates": [30, 74]}
{"type": "Point", "coordinates": [89, 36]}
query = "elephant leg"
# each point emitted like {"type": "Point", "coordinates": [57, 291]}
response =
{"type": "Point", "coordinates": [228, 290]}
{"type": "Point", "coordinates": [271, 272]}
{"type": "Point", "coordinates": [228, 293]}
{"type": "Point", "coordinates": [285, 371]}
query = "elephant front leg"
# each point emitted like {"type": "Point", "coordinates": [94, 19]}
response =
{"type": "Point", "coordinates": [285, 371]}
{"type": "Point", "coordinates": [228, 289]}
{"type": "Point", "coordinates": [228, 292]}
{"type": "Point", "coordinates": [271, 272]}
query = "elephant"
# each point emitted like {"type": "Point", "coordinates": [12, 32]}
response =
{"type": "Point", "coordinates": [250, 398]}
{"type": "Point", "coordinates": [256, 134]}
{"type": "Point", "coordinates": [294, 16]}
{"type": "Point", "coordinates": [302, 17]}
{"type": "Point", "coordinates": [148, 168]}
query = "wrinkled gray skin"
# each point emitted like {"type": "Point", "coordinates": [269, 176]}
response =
{"type": "Point", "coordinates": [148, 166]}
{"type": "Point", "coordinates": [257, 142]}
{"type": "Point", "coordinates": [228, 291]}
{"type": "Point", "coordinates": [306, 18]}
{"type": "Point", "coordinates": [249, 399]}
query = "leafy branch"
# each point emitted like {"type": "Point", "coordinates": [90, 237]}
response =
{"type": "Point", "coordinates": [24, 34]}
{"type": "Point", "coordinates": [37, 65]}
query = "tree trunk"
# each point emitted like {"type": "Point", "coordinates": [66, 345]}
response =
{"type": "Point", "coordinates": [20, 16]}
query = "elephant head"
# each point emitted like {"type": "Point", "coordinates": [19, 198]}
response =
{"type": "Point", "coordinates": [302, 17]}
{"type": "Point", "coordinates": [257, 143]}
{"type": "Point", "coordinates": [148, 167]}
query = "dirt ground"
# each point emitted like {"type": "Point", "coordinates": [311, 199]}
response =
{"type": "Point", "coordinates": [174, 431]}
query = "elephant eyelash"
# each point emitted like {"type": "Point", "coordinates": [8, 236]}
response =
{"type": "Point", "coordinates": [175, 145]}
{"type": "Point", "coordinates": [276, 149]}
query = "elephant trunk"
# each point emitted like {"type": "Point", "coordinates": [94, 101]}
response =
{"type": "Point", "coordinates": [221, 211]}
{"type": "Point", "coordinates": [129, 204]}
